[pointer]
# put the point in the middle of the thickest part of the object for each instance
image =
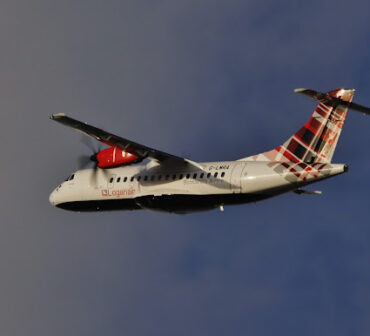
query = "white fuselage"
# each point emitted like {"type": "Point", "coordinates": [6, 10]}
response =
{"type": "Point", "coordinates": [182, 189]}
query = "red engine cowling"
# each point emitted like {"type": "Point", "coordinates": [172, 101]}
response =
{"type": "Point", "coordinates": [114, 157]}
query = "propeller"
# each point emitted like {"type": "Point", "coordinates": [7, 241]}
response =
{"type": "Point", "coordinates": [85, 160]}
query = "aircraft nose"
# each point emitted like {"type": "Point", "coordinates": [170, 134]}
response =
{"type": "Point", "coordinates": [52, 198]}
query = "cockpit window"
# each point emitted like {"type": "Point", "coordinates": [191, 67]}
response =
{"type": "Point", "coordinates": [70, 178]}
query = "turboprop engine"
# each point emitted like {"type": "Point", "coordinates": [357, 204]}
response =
{"type": "Point", "coordinates": [113, 157]}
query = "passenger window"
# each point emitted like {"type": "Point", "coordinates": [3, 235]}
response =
{"type": "Point", "coordinates": [201, 175]}
{"type": "Point", "coordinates": [145, 178]}
{"type": "Point", "coordinates": [111, 180]}
{"type": "Point", "coordinates": [181, 176]}
{"type": "Point", "coordinates": [152, 178]}
{"type": "Point", "coordinates": [187, 176]}
{"type": "Point", "coordinates": [195, 176]}
{"type": "Point", "coordinates": [125, 179]}
{"type": "Point", "coordinates": [167, 177]}
{"type": "Point", "coordinates": [208, 175]}
{"type": "Point", "coordinates": [174, 176]}
{"type": "Point", "coordinates": [132, 178]}
{"type": "Point", "coordinates": [223, 174]}
{"type": "Point", "coordinates": [216, 174]}
{"type": "Point", "coordinates": [138, 178]}
{"type": "Point", "coordinates": [118, 179]}
{"type": "Point", "coordinates": [159, 177]}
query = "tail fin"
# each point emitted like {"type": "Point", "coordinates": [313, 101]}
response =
{"type": "Point", "coordinates": [317, 139]}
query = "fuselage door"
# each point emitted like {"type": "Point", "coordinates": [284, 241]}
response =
{"type": "Point", "coordinates": [236, 174]}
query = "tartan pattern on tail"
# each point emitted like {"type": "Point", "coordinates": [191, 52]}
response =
{"type": "Point", "coordinates": [316, 141]}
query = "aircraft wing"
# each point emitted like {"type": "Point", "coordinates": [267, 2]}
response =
{"type": "Point", "coordinates": [128, 146]}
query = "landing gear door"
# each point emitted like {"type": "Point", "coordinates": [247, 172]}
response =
{"type": "Point", "coordinates": [236, 174]}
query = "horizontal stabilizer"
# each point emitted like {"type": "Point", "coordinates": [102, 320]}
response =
{"type": "Point", "coordinates": [329, 100]}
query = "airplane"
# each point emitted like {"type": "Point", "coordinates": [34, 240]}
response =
{"type": "Point", "coordinates": [175, 184]}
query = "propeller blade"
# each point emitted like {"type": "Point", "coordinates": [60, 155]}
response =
{"type": "Point", "coordinates": [94, 174]}
{"type": "Point", "coordinates": [105, 173]}
{"type": "Point", "coordinates": [83, 161]}
{"type": "Point", "coordinates": [89, 144]}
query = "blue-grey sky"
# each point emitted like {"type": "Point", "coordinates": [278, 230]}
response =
{"type": "Point", "coordinates": [210, 80]}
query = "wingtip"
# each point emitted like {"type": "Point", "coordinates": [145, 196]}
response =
{"type": "Point", "coordinates": [299, 90]}
{"type": "Point", "coordinates": [57, 115]}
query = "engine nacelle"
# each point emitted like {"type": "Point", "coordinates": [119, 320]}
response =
{"type": "Point", "coordinates": [114, 157]}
